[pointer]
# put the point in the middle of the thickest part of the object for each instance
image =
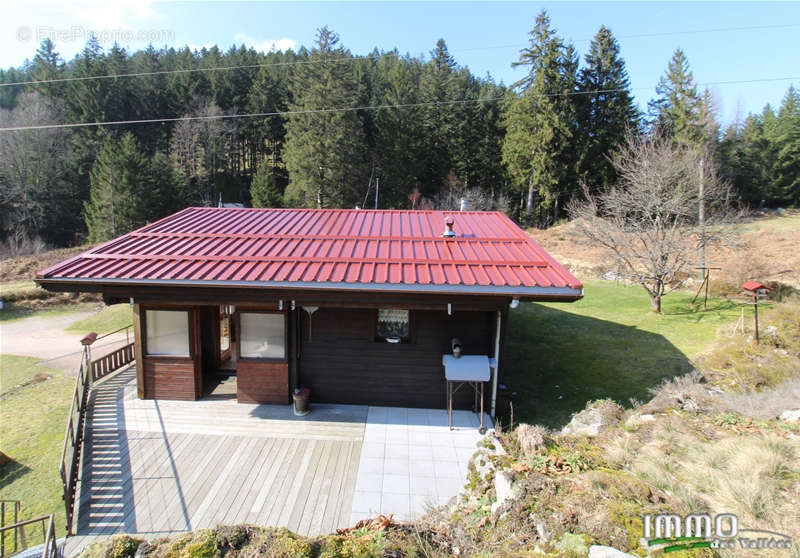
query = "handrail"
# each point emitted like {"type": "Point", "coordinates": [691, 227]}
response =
{"type": "Point", "coordinates": [16, 507]}
{"type": "Point", "coordinates": [90, 370]}
{"type": "Point", "coordinates": [126, 328]}
{"type": "Point", "coordinates": [48, 534]}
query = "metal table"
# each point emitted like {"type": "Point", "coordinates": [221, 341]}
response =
{"type": "Point", "coordinates": [472, 370]}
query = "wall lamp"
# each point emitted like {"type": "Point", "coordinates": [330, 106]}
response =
{"type": "Point", "coordinates": [514, 303]}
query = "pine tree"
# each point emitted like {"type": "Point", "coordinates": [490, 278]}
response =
{"type": "Point", "coordinates": [541, 121]}
{"type": "Point", "coordinates": [607, 111]}
{"type": "Point", "coordinates": [786, 181]}
{"type": "Point", "coordinates": [677, 109]}
{"type": "Point", "coordinates": [129, 189]}
{"type": "Point", "coordinates": [325, 152]}
{"type": "Point", "coordinates": [265, 190]}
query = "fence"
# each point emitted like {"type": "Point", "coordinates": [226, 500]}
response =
{"type": "Point", "coordinates": [50, 547]}
{"type": "Point", "coordinates": [90, 371]}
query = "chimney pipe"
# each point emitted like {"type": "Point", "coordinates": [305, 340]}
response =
{"type": "Point", "coordinates": [448, 227]}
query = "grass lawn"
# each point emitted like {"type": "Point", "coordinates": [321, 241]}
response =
{"type": "Point", "coordinates": [559, 356]}
{"type": "Point", "coordinates": [107, 320]}
{"type": "Point", "coordinates": [33, 421]}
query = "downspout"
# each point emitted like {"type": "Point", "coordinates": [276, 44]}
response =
{"type": "Point", "coordinates": [496, 362]}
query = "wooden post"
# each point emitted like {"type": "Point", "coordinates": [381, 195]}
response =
{"type": "Point", "coordinates": [755, 308]}
{"type": "Point", "coordinates": [137, 349]}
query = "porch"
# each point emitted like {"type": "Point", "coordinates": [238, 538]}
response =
{"type": "Point", "coordinates": [157, 467]}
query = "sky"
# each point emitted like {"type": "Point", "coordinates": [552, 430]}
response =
{"type": "Point", "coordinates": [724, 41]}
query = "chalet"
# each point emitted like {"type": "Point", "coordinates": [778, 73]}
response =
{"type": "Point", "coordinates": [358, 305]}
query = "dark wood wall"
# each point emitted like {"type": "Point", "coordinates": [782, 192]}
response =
{"type": "Point", "coordinates": [169, 378]}
{"type": "Point", "coordinates": [341, 361]}
{"type": "Point", "coordinates": [260, 381]}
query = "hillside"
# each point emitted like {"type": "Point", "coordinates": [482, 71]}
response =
{"type": "Point", "coordinates": [763, 247]}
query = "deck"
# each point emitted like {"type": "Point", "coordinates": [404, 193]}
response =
{"type": "Point", "coordinates": [159, 467]}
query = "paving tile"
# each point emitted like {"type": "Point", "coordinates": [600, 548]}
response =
{"type": "Point", "coordinates": [397, 504]}
{"type": "Point", "coordinates": [465, 454]}
{"type": "Point", "coordinates": [373, 465]}
{"type": "Point", "coordinates": [422, 467]}
{"type": "Point", "coordinates": [448, 486]}
{"type": "Point", "coordinates": [419, 436]}
{"type": "Point", "coordinates": [441, 439]}
{"type": "Point", "coordinates": [373, 449]}
{"type": "Point", "coordinates": [366, 502]}
{"type": "Point", "coordinates": [417, 417]}
{"type": "Point", "coordinates": [444, 453]}
{"type": "Point", "coordinates": [423, 486]}
{"type": "Point", "coordinates": [396, 466]}
{"type": "Point", "coordinates": [397, 436]}
{"type": "Point", "coordinates": [369, 482]}
{"type": "Point", "coordinates": [397, 451]}
{"type": "Point", "coordinates": [446, 469]}
{"type": "Point", "coordinates": [421, 504]}
{"type": "Point", "coordinates": [395, 484]}
{"type": "Point", "coordinates": [423, 453]}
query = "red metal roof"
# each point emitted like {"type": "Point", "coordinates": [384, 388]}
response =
{"type": "Point", "coordinates": [326, 248]}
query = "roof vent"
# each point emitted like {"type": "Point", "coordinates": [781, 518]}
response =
{"type": "Point", "coordinates": [448, 227]}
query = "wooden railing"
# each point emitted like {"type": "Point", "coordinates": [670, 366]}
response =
{"type": "Point", "coordinates": [90, 371]}
{"type": "Point", "coordinates": [50, 547]}
{"type": "Point", "coordinates": [69, 467]}
{"type": "Point", "coordinates": [10, 507]}
{"type": "Point", "coordinates": [114, 360]}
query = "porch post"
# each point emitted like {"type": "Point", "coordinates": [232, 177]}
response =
{"type": "Point", "coordinates": [293, 348]}
{"type": "Point", "coordinates": [496, 361]}
{"type": "Point", "coordinates": [137, 350]}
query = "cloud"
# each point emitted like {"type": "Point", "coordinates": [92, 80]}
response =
{"type": "Point", "coordinates": [266, 45]}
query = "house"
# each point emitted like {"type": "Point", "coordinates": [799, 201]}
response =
{"type": "Point", "coordinates": [358, 305]}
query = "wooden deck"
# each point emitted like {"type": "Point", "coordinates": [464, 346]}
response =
{"type": "Point", "coordinates": [160, 467]}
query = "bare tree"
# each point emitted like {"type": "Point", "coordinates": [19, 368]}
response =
{"type": "Point", "coordinates": [648, 220]}
{"type": "Point", "coordinates": [454, 190]}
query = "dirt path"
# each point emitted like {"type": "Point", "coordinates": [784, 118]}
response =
{"type": "Point", "coordinates": [44, 337]}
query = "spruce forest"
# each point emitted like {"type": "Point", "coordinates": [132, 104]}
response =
{"type": "Point", "coordinates": [322, 127]}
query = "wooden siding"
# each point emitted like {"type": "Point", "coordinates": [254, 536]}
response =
{"type": "Point", "coordinates": [342, 362]}
{"type": "Point", "coordinates": [259, 381]}
{"type": "Point", "coordinates": [169, 378]}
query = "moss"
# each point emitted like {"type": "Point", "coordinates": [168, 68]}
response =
{"type": "Point", "coordinates": [572, 545]}
{"type": "Point", "coordinates": [286, 544]}
{"type": "Point", "coordinates": [356, 545]}
{"type": "Point", "coordinates": [121, 546]}
{"type": "Point", "coordinates": [197, 544]}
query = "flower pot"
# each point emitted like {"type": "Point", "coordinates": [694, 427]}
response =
{"type": "Point", "coordinates": [300, 397]}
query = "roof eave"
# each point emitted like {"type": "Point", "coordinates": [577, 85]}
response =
{"type": "Point", "coordinates": [556, 294]}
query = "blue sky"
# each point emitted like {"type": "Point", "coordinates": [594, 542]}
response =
{"type": "Point", "coordinates": [485, 36]}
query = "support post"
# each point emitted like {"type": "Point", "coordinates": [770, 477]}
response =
{"type": "Point", "coordinates": [496, 362]}
{"type": "Point", "coordinates": [755, 308]}
{"type": "Point", "coordinates": [137, 349]}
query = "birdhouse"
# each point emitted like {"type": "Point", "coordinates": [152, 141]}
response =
{"type": "Point", "coordinates": [755, 288]}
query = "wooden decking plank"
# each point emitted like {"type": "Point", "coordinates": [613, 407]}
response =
{"type": "Point", "coordinates": [230, 461]}
{"type": "Point", "coordinates": [240, 469]}
{"type": "Point", "coordinates": [329, 519]}
{"type": "Point", "coordinates": [255, 515]}
{"type": "Point", "coordinates": [327, 483]}
{"type": "Point", "coordinates": [210, 448]}
{"type": "Point", "coordinates": [314, 493]}
{"type": "Point", "coordinates": [349, 486]}
{"type": "Point", "coordinates": [252, 504]}
{"type": "Point", "coordinates": [283, 483]}
{"type": "Point", "coordinates": [259, 460]}
{"type": "Point", "coordinates": [302, 487]}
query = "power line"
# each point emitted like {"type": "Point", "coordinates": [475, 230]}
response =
{"type": "Point", "coordinates": [366, 57]}
{"type": "Point", "coordinates": [351, 109]}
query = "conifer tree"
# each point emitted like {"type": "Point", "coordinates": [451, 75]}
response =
{"type": "Point", "coordinates": [325, 152]}
{"type": "Point", "coordinates": [676, 110]}
{"type": "Point", "coordinates": [540, 123]}
{"type": "Point", "coordinates": [606, 109]}
{"type": "Point", "coordinates": [265, 190]}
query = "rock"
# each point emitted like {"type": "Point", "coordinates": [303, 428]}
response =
{"type": "Point", "coordinates": [599, 551]}
{"type": "Point", "coordinates": [791, 416]}
{"type": "Point", "coordinates": [636, 419]}
{"type": "Point", "coordinates": [598, 417]}
{"type": "Point", "coordinates": [503, 488]}
{"type": "Point", "coordinates": [531, 438]}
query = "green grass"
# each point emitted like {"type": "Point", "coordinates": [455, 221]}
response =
{"type": "Point", "coordinates": [33, 421]}
{"type": "Point", "coordinates": [107, 320]}
{"type": "Point", "coordinates": [609, 344]}
{"type": "Point", "coordinates": [784, 223]}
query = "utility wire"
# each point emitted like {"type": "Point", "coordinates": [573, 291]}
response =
{"type": "Point", "coordinates": [353, 58]}
{"type": "Point", "coordinates": [351, 109]}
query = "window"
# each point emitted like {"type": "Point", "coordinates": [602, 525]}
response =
{"type": "Point", "coordinates": [167, 332]}
{"type": "Point", "coordinates": [393, 325]}
{"type": "Point", "coordinates": [262, 336]}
